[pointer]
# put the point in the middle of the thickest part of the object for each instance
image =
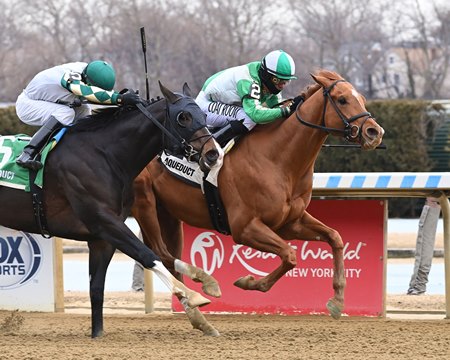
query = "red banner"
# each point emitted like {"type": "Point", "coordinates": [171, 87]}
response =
{"type": "Point", "coordinates": [306, 288]}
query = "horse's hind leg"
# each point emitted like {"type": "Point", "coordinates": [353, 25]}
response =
{"type": "Point", "coordinates": [309, 228]}
{"type": "Point", "coordinates": [100, 254]}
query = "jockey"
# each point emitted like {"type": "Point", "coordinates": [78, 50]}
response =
{"type": "Point", "coordinates": [238, 98]}
{"type": "Point", "coordinates": [54, 98]}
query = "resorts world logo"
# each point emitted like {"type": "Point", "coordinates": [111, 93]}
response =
{"type": "Point", "coordinates": [207, 252]}
{"type": "Point", "coordinates": [20, 259]}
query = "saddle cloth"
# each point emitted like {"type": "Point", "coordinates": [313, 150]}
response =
{"type": "Point", "coordinates": [191, 174]}
{"type": "Point", "coordinates": [188, 171]}
{"type": "Point", "coordinates": [13, 175]}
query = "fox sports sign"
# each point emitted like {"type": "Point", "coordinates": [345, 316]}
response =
{"type": "Point", "coordinates": [20, 259]}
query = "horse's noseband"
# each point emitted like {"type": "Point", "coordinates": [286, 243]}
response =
{"type": "Point", "coordinates": [350, 131]}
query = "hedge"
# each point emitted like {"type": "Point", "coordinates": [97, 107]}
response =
{"type": "Point", "coordinates": [10, 123]}
{"type": "Point", "coordinates": [416, 137]}
{"type": "Point", "coordinates": [410, 132]}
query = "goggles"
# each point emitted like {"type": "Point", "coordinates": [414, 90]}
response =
{"type": "Point", "coordinates": [278, 81]}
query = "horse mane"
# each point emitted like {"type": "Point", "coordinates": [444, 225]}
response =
{"type": "Point", "coordinates": [310, 89]}
{"type": "Point", "coordinates": [329, 74]}
{"type": "Point", "coordinates": [103, 117]}
{"type": "Point", "coordinates": [100, 118]}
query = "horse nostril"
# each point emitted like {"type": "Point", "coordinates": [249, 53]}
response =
{"type": "Point", "coordinates": [372, 132]}
{"type": "Point", "coordinates": [212, 156]}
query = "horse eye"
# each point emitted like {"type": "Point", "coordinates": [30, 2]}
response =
{"type": "Point", "coordinates": [182, 119]}
{"type": "Point", "coordinates": [342, 100]}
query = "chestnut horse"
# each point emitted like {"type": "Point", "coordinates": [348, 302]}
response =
{"type": "Point", "coordinates": [265, 185]}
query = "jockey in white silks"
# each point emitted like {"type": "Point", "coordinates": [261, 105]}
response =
{"type": "Point", "coordinates": [54, 98]}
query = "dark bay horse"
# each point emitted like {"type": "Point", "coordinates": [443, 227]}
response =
{"type": "Point", "coordinates": [88, 185]}
{"type": "Point", "coordinates": [265, 185]}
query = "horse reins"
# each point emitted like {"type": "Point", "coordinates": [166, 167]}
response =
{"type": "Point", "coordinates": [188, 149]}
{"type": "Point", "coordinates": [350, 132]}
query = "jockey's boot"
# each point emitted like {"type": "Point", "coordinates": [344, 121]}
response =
{"type": "Point", "coordinates": [229, 131]}
{"type": "Point", "coordinates": [37, 142]}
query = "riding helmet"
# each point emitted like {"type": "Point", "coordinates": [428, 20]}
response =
{"type": "Point", "coordinates": [277, 64]}
{"type": "Point", "coordinates": [101, 74]}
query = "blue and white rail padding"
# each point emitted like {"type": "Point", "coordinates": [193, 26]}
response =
{"type": "Point", "coordinates": [399, 180]}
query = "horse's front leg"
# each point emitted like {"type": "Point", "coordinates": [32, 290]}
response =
{"type": "Point", "coordinates": [309, 228]}
{"type": "Point", "coordinates": [197, 319]}
{"type": "Point", "coordinates": [100, 254]}
{"type": "Point", "coordinates": [163, 233]}
{"type": "Point", "coordinates": [210, 286]}
{"type": "Point", "coordinates": [259, 236]}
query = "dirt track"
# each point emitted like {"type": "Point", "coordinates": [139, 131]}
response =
{"type": "Point", "coordinates": [167, 336]}
{"type": "Point", "coordinates": [130, 334]}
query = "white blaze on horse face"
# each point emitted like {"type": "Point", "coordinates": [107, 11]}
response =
{"type": "Point", "coordinates": [221, 152]}
{"type": "Point", "coordinates": [358, 97]}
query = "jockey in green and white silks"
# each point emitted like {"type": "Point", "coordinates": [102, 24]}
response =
{"type": "Point", "coordinates": [54, 98]}
{"type": "Point", "coordinates": [246, 95]}
{"type": "Point", "coordinates": [51, 91]}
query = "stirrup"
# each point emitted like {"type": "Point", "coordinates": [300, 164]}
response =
{"type": "Point", "coordinates": [28, 162]}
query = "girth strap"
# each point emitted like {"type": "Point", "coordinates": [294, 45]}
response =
{"type": "Point", "coordinates": [216, 210]}
{"type": "Point", "coordinates": [38, 206]}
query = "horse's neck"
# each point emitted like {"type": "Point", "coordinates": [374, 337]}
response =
{"type": "Point", "coordinates": [300, 144]}
{"type": "Point", "coordinates": [138, 140]}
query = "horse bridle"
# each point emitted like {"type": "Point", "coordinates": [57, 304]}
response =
{"type": "Point", "coordinates": [184, 145]}
{"type": "Point", "coordinates": [181, 143]}
{"type": "Point", "coordinates": [350, 132]}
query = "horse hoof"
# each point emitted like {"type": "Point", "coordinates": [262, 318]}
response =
{"type": "Point", "coordinates": [212, 289]}
{"type": "Point", "coordinates": [211, 332]}
{"type": "Point", "coordinates": [244, 282]}
{"type": "Point", "coordinates": [199, 322]}
{"type": "Point", "coordinates": [195, 299]}
{"type": "Point", "coordinates": [97, 334]}
{"type": "Point", "coordinates": [334, 309]}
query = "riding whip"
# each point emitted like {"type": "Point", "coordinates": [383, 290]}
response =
{"type": "Point", "coordinates": [144, 50]}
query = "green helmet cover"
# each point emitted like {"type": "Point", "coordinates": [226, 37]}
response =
{"type": "Point", "coordinates": [101, 74]}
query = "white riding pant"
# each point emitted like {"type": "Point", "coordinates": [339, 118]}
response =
{"type": "Point", "coordinates": [37, 112]}
{"type": "Point", "coordinates": [219, 114]}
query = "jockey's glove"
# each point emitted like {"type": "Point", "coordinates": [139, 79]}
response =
{"type": "Point", "coordinates": [238, 127]}
{"type": "Point", "coordinates": [129, 98]}
{"type": "Point", "coordinates": [295, 102]}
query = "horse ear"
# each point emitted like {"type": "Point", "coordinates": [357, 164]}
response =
{"type": "Point", "coordinates": [187, 90]}
{"type": "Point", "coordinates": [322, 81]}
{"type": "Point", "coordinates": [169, 95]}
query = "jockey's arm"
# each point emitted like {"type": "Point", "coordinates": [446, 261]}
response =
{"type": "Point", "coordinates": [259, 113]}
{"type": "Point", "coordinates": [73, 83]}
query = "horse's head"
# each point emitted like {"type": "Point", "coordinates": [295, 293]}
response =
{"type": "Point", "coordinates": [188, 123]}
{"type": "Point", "coordinates": [343, 111]}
